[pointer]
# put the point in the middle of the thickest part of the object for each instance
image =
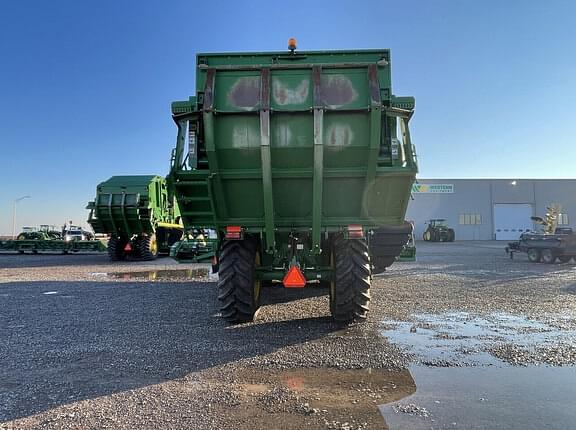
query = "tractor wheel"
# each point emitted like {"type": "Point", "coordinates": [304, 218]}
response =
{"type": "Point", "coordinates": [147, 247]}
{"type": "Point", "coordinates": [238, 288]}
{"type": "Point", "coordinates": [564, 258]}
{"type": "Point", "coordinates": [116, 249]}
{"type": "Point", "coordinates": [350, 289]}
{"type": "Point", "coordinates": [533, 255]}
{"type": "Point", "coordinates": [451, 235]}
{"type": "Point", "coordinates": [21, 236]}
{"type": "Point", "coordinates": [548, 256]}
{"type": "Point", "coordinates": [435, 236]}
{"type": "Point", "coordinates": [427, 236]}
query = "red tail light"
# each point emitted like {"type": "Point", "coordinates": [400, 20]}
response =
{"type": "Point", "coordinates": [233, 232]}
{"type": "Point", "coordinates": [355, 232]}
{"type": "Point", "coordinates": [294, 278]}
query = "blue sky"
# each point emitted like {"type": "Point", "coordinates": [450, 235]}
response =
{"type": "Point", "coordinates": [85, 87]}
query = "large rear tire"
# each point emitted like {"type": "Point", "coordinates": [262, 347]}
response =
{"type": "Point", "coordinates": [350, 289]}
{"type": "Point", "coordinates": [147, 247]}
{"type": "Point", "coordinates": [451, 235]}
{"type": "Point", "coordinates": [427, 236]}
{"type": "Point", "coordinates": [116, 249]}
{"type": "Point", "coordinates": [238, 288]}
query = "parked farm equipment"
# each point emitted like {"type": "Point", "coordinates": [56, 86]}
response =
{"type": "Point", "coordinates": [438, 231]}
{"type": "Point", "coordinates": [139, 214]}
{"type": "Point", "coordinates": [50, 238]}
{"type": "Point", "coordinates": [546, 247]}
{"type": "Point", "coordinates": [551, 244]}
{"type": "Point", "coordinates": [303, 163]}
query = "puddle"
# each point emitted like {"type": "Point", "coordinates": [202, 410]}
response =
{"type": "Point", "coordinates": [487, 398]}
{"type": "Point", "coordinates": [161, 275]}
{"type": "Point", "coordinates": [49, 293]}
{"type": "Point", "coordinates": [460, 338]}
{"type": "Point", "coordinates": [331, 398]}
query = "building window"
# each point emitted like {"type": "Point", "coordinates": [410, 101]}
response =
{"type": "Point", "coordinates": [470, 219]}
{"type": "Point", "coordinates": [563, 219]}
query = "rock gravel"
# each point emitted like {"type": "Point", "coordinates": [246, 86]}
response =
{"type": "Point", "coordinates": [85, 349]}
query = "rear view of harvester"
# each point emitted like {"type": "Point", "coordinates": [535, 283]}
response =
{"type": "Point", "coordinates": [298, 160]}
{"type": "Point", "coordinates": [138, 213]}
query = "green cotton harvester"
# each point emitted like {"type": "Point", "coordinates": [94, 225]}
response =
{"type": "Point", "coordinates": [303, 164]}
{"type": "Point", "coordinates": [139, 214]}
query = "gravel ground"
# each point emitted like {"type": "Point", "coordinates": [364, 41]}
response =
{"type": "Point", "coordinates": [84, 349]}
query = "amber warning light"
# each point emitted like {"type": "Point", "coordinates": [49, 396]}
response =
{"type": "Point", "coordinates": [294, 278]}
{"type": "Point", "coordinates": [291, 44]}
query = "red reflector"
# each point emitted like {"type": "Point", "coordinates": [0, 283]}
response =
{"type": "Point", "coordinates": [128, 247]}
{"type": "Point", "coordinates": [294, 278]}
{"type": "Point", "coordinates": [233, 232]}
{"type": "Point", "coordinates": [355, 232]}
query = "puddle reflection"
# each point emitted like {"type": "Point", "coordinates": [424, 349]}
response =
{"type": "Point", "coordinates": [162, 275]}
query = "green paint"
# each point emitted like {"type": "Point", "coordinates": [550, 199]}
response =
{"type": "Point", "coordinates": [294, 158]}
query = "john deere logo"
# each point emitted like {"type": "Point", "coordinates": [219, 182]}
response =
{"type": "Point", "coordinates": [433, 188]}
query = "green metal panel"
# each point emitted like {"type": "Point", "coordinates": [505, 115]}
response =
{"type": "Point", "coordinates": [282, 152]}
{"type": "Point", "coordinates": [131, 205]}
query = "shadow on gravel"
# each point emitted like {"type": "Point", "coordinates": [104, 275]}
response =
{"type": "Point", "coordinates": [67, 341]}
{"type": "Point", "coordinates": [276, 294]}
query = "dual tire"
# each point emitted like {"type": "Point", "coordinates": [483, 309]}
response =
{"type": "Point", "coordinates": [239, 288]}
{"type": "Point", "coordinates": [144, 247]}
{"type": "Point", "coordinates": [546, 256]}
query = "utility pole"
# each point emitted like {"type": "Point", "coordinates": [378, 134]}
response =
{"type": "Point", "coordinates": [14, 215]}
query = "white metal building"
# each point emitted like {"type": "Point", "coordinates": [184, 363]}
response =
{"type": "Point", "coordinates": [488, 209]}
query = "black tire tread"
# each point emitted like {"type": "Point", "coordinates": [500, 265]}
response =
{"type": "Point", "coordinates": [116, 249]}
{"type": "Point", "coordinates": [236, 280]}
{"type": "Point", "coordinates": [143, 250]}
{"type": "Point", "coordinates": [351, 298]}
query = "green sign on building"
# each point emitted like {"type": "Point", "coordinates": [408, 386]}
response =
{"type": "Point", "coordinates": [433, 188]}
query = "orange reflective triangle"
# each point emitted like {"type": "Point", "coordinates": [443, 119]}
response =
{"type": "Point", "coordinates": [128, 247]}
{"type": "Point", "coordinates": [294, 278]}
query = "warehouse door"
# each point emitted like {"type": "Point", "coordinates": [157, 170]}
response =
{"type": "Point", "coordinates": [511, 220]}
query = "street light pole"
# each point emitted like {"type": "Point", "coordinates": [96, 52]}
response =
{"type": "Point", "coordinates": [14, 215]}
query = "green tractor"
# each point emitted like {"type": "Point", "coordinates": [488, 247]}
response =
{"type": "Point", "coordinates": [438, 231]}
